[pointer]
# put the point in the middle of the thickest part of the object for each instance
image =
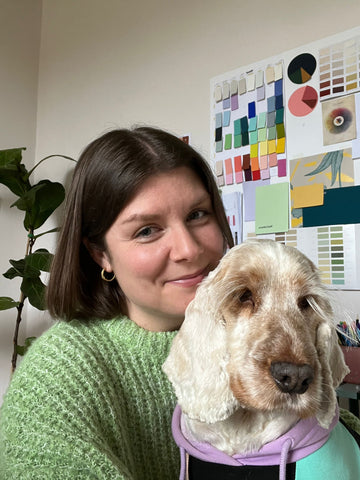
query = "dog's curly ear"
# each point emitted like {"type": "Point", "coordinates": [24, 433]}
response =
{"type": "Point", "coordinates": [196, 365]}
{"type": "Point", "coordinates": [333, 371]}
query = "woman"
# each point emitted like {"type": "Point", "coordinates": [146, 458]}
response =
{"type": "Point", "coordinates": [144, 224]}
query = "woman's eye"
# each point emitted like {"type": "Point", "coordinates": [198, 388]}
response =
{"type": "Point", "coordinates": [197, 214]}
{"type": "Point", "coordinates": [145, 232]}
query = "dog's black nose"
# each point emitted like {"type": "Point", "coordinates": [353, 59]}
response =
{"type": "Point", "coordinates": [292, 378]}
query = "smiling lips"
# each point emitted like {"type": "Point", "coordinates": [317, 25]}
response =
{"type": "Point", "coordinates": [189, 280]}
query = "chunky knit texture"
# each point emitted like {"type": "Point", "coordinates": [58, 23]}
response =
{"type": "Point", "coordinates": [90, 401]}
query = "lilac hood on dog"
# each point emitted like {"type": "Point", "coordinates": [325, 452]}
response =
{"type": "Point", "coordinates": [307, 443]}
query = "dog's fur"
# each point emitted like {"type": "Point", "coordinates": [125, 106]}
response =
{"type": "Point", "coordinates": [263, 305]}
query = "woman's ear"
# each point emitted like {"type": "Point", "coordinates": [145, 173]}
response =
{"type": "Point", "coordinates": [98, 255]}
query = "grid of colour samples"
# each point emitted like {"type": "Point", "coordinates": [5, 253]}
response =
{"type": "Point", "coordinates": [287, 238]}
{"type": "Point", "coordinates": [249, 135]}
{"type": "Point", "coordinates": [325, 246]}
{"type": "Point", "coordinates": [331, 254]}
{"type": "Point", "coordinates": [339, 68]}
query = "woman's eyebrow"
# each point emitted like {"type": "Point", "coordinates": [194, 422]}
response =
{"type": "Point", "coordinates": [141, 217]}
{"type": "Point", "coordinates": [151, 217]}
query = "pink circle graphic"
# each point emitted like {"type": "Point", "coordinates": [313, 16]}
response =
{"type": "Point", "coordinates": [303, 101]}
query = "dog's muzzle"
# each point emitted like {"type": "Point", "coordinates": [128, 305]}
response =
{"type": "Point", "coordinates": [292, 378]}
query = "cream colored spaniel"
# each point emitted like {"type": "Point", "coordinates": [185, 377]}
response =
{"type": "Point", "coordinates": [257, 352]}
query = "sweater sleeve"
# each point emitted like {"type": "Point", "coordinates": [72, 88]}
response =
{"type": "Point", "coordinates": [68, 412]}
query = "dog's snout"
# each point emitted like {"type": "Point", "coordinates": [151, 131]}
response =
{"type": "Point", "coordinates": [292, 378]}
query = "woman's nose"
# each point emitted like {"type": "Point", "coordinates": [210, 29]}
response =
{"type": "Point", "coordinates": [184, 245]}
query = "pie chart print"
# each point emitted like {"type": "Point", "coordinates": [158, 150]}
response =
{"type": "Point", "coordinates": [302, 68]}
{"type": "Point", "coordinates": [303, 101]}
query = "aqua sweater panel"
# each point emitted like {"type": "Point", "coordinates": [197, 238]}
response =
{"type": "Point", "coordinates": [90, 401]}
{"type": "Point", "coordinates": [338, 459]}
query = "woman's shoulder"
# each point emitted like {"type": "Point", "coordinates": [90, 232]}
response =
{"type": "Point", "coordinates": [78, 391]}
{"type": "Point", "coordinates": [62, 355]}
{"type": "Point", "coordinates": [86, 362]}
{"type": "Point", "coordinates": [93, 349]}
{"type": "Point", "coordinates": [94, 335]}
{"type": "Point", "coordinates": [66, 335]}
{"type": "Point", "coordinates": [63, 338]}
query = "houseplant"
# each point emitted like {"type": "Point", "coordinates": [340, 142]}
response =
{"type": "Point", "coordinates": [38, 201]}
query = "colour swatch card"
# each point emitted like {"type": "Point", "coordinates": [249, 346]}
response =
{"type": "Point", "coordinates": [272, 208]}
{"type": "Point", "coordinates": [331, 248]}
{"type": "Point", "coordinates": [339, 68]}
{"type": "Point", "coordinates": [285, 136]}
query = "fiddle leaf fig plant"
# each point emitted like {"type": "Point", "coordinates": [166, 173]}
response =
{"type": "Point", "coordinates": [38, 202]}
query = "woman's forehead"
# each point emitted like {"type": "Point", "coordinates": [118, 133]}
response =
{"type": "Point", "coordinates": [179, 187]}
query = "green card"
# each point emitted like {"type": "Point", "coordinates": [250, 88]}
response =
{"type": "Point", "coordinates": [272, 208]}
{"type": "Point", "coordinates": [228, 141]}
{"type": "Point", "coordinates": [237, 127]}
{"type": "Point", "coordinates": [237, 141]}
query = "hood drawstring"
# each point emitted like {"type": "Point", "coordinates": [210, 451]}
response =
{"type": "Point", "coordinates": [284, 456]}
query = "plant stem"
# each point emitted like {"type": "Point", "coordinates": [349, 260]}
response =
{"type": "Point", "coordinates": [45, 158]}
{"type": "Point", "coordinates": [16, 333]}
{"type": "Point", "coordinates": [29, 245]}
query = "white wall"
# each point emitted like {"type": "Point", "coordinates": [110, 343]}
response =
{"type": "Point", "coordinates": [117, 63]}
{"type": "Point", "coordinates": [20, 22]}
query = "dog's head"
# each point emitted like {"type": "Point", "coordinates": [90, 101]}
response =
{"type": "Point", "coordinates": [259, 335]}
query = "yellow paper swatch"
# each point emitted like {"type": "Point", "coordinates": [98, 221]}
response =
{"type": "Point", "coordinates": [271, 146]}
{"type": "Point", "coordinates": [308, 195]}
{"type": "Point", "coordinates": [280, 147]}
{"type": "Point", "coordinates": [254, 150]}
{"type": "Point", "coordinates": [263, 148]}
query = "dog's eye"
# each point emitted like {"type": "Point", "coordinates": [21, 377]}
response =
{"type": "Point", "coordinates": [303, 303]}
{"type": "Point", "coordinates": [246, 297]}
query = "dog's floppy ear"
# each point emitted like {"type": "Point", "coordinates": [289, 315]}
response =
{"type": "Point", "coordinates": [197, 362]}
{"type": "Point", "coordinates": [333, 370]}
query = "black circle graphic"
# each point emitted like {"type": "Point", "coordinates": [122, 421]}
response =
{"type": "Point", "coordinates": [301, 68]}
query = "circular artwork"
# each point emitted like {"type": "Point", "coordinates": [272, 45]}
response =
{"type": "Point", "coordinates": [338, 120]}
{"type": "Point", "coordinates": [301, 68]}
{"type": "Point", "coordinates": [303, 101]}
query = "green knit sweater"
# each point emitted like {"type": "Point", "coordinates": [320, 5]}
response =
{"type": "Point", "coordinates": [90, 401]}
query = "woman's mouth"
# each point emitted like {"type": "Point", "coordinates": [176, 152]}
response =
{"type": "Point", "coordinates": [191, 280]}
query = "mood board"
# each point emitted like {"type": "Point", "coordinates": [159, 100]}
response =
{"type": "Point", "coordinates": [285, 150]}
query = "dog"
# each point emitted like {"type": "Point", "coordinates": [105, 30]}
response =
{"type": "Point", "coordinates": [255, 364]}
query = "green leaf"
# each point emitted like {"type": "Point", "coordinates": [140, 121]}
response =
{"type": "Point", "coordinates": [34, 289]}
{"type": "Point", "coordinates": [40, 202]}
{"type": "Point", "coordinates": [336, 161]}
{"type": "Point", "coordinates": [6, 303]}
{"type": "Point", "coordinates": [17, 270]}
{"type": "Point", "coordinates": [11, 273]}
{"type": "Point", "coordinates": [333, 160]}
{"type": "Point", "coordinates": [13, 173]}
{"type": "Point", "coordinates": [39, 260]}
{"type": "Point", "coordinates": [31, 266]}
{"type": "Point", "coordinates": [324, 164]}
{"type": "Point", "coordinates": [22, 349]}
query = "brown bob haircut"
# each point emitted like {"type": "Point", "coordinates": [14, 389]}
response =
{"type": "Point", "coordinates": [107, 176]}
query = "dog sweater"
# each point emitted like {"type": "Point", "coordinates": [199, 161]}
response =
{"type": "Point", "coordinates": [90, 401]}
{"type": "Point", "coordinates": [305, 452]}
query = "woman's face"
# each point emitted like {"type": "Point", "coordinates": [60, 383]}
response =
{"type": "Point", "coordinates": [160, 247]}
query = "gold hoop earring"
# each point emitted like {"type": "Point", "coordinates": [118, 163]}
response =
{"type": "Point", "coordinates": [104, 277]}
